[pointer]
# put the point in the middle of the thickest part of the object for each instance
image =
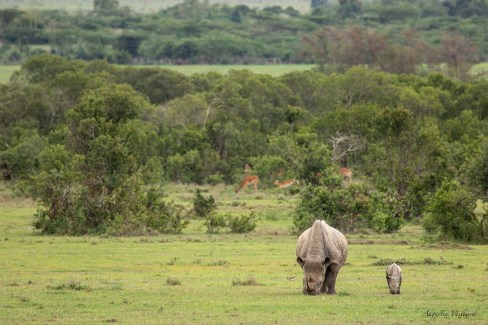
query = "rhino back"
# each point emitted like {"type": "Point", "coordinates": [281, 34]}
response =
{"type": "Point", "coordinates": [302, 244]}
{"type": "Point", "coordinates": [335, 244]}
{"type": "Point", "coordinates": [310, 244]}
{"type": "Point", "coordinates": [321, 241]}
{"type": "Point", "coordinates": [394, 270]}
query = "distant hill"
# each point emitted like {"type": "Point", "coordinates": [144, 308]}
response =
{"type": "Point", "coordinates": [146, 6]}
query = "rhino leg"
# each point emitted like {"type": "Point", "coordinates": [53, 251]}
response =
{"type": "Point", "coordinates": [330, 278]}
{"type": "Point", "coordinates": [323, 288]}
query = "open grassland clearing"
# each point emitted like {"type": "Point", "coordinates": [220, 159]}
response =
{"type": "Point", "coordinates": [146, 6]}
{"type": "Point", "coordinates": [196, 278]}
{"type": "Point", "coordinates": [6, 71]}
{"type": "Point", "coordinates": [274, 70]}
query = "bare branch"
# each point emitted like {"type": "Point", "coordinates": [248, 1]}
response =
{"type": "Point", "coordinates": [342, 145]}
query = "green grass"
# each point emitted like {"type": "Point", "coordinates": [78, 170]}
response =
{"type": "Point", "coordinates": [6, 71]}
{"type": "Point", "coordinates": [480, 69]}
{"type": "Point", "coordinates": [147, 6]}
{"type": "Point", "coordinates": [195, 278]}
{"type": "Point", "coordinates": [274, 70]}
{"type": "Point", "coordinates": [271, 69]}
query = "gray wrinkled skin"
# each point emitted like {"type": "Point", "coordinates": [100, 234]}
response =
{"type": "Point", "coordinates": [321, 252]}
{"type": "Point", "coordinates": [394, 278]}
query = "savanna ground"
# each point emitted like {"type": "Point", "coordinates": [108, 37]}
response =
{"type": "Point", "coordinates": [197, 278]}
{"type": "Point", "coordinates": [273, 70]}
{"type": "Point", "coordinates": [146, 6]}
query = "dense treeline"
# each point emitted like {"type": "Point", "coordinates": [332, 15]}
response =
{"type": "Point", "coordinates": [400, 32]}
{"type": "Point", "coordinates": [83, 137]}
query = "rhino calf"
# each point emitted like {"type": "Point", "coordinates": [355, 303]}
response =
{"type": "Point", "coordinates": [394, 278]}
{"type": "Point", "coordinates": [321, 251]}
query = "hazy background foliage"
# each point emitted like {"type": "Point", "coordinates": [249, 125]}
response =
{"type": "Point", "coordinates": [395, 36]}
{"type": "Point", "coordinates": [95, 142]}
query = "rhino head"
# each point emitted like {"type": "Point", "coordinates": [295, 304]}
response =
{"type": "Point", "coordinates": [394, 278]}
{"type": "Point", "coordinates": [313, 276]}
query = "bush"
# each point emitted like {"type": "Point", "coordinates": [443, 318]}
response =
{"type": "Point", "coordinates": [384, 222]}
{"type": "Point", "coordinates": [449, 214]}
{"type": "Point", "coordinates": [243, 224]}
{"type": "Point", "coordinates": [215, 179]}
{"type": "Point", "coordinates": [164, 217]}
{"type": "Point", "coordinates": [237, 224]}
{"type": "Point", "coordinates": [202, 206]}
{"type": "Point", "coordinates": [347, 208]}
{"type": "Point", "coordinates": [214, 222]}
{"type": "Point", "coordinates": [93, 184]}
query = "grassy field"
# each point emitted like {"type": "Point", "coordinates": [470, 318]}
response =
{"type": "Point", "coordinates": [196, 278]}
{"type": "Point", "coordinates": [6, 72]}
{"type": "Point", "coordinates": [147, 6]}
{"type": "Point", "coordinates": [271, 69]}
{"type": "Point", "coordinates": [480, 69]}
{"type": "Point", "coordinates": [274, 70]}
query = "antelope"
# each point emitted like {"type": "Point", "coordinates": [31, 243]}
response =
{"type": "Point", "coordinates": [346, 174]}
{"type": "Point", "coordinates": [247, 169]}
{"type": "Point", "coordinates": [285, 184]}
{"type": "Point", "coordinates": [254, 180]}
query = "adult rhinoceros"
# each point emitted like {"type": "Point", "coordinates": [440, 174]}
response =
{"type": "Point", "coordinates": [321, 252]}
{"type": "Point", "coordinates": [394, 278]}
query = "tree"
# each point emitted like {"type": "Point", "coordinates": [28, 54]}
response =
{"type": "Point", "coordinates": [343, 145]}
{"type": "Point", "coordinates": [339, 49]}
{"type": "Point", "coordinates": [105, 6]}
{"type": "Point", "coordinates": [407, 55]}
{"type": "Point", "coordinates": [475, 96]}
{"type": "Point", "coordinates": [477, 168]}
{"type": "Point", "coordinates": [389, 11]}
{"type": "Point", "coordinates": [459, 53]}
{"type": "Point", "coordinates": [159, 85]}
{"type": "Point", "coordinates": [395, 127]}
{"type": "Point", "coordinates": [347, 208]}
{"type": "Point", "coordinates": [20, 160]}
{"type": "Point", "coordinates": [449, 214]}
{"type": "Point", "coordinates": [93, 183]}
{"type": "Point", "coordinates": [349, 8]}
{"type": "Point", "coordinates": [315, 4]}
{"type": "Point", "coordinates": [7, 16]}
{"type": "Point", "coordinates": [466, 8]}
{"type": "Point", "coordinates": [129, 44]}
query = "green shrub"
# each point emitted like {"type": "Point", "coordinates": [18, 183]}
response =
{"type": "Point", "coordinates": [384, 222]}
{"type": "Point", "coordinates": [214, 222]}
{"type": "Point", "coordinates": [348, 208]}
{"type": "Point", "coordinates": [449, 214]}
{"type": "Point", "coordinates": [242, 224]}
{"type": "Point", "coordinates": [237, 224]}
{"type": "Point", "coordinates": [215, 179]}
{"type": "Point", "coordinates": [93, 183]}
{"type": "Point", "coordinates": [203, 206]}
{"type": "Point", "coordinates": [164, 217]}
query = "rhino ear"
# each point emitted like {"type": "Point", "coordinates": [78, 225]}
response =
{"type": "Point", "coordinates": [300, 261]}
